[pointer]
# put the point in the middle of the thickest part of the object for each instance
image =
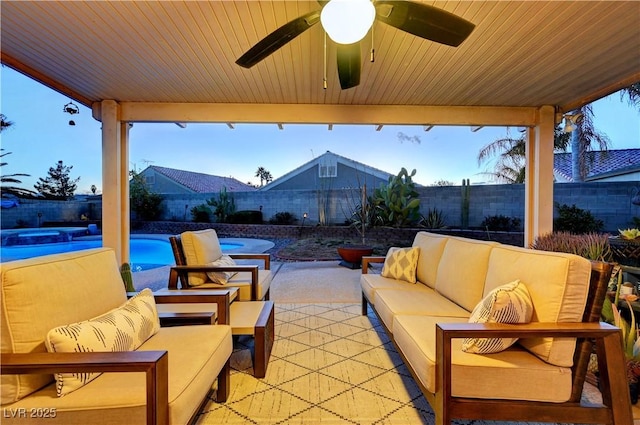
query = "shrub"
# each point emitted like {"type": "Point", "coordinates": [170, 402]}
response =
{"type": "Point", "coordinates": [201, 214]}
{"type": "Point", "coordinates": [224, 205]}
{"type": "Point", "coordinates": [245, 217]}
{"type": "Point", "coordinates": [593, 246]}
{"type": "Point", "coordinates": [500, 223]}
{"type": "Point", "coordinates": [576, 220]}
{"type": "Point", "coordinates": [433, 220]}
{"type": "Point", "coordinates": [283, 218]}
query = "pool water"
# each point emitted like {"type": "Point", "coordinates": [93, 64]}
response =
{"type": "Point", "coordinates": [145, 254]}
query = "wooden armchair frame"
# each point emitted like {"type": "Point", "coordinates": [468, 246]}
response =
{"type": "Point", "coordinates": [154, 364]}
{"type": "Point", "coordinates": [180, 272]}
{"type": "Point", "coordinates": [607, 339]}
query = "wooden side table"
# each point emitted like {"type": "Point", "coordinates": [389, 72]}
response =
{"type": "Point", "coordinates": [255, 318]}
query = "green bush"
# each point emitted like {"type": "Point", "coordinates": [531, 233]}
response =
{"type": "Point", "coordinates": [576, 220]}
{"type": "Point", "coordinates": [283, 218]}
{"type": "Point", "coordinates": [398, 203]}
{"type": "Point", "coordinates": [201, 214]}
{"type": "Point", "coordinates": [497, 223]}
{"type": "Point", "coordinates": [245, 217]}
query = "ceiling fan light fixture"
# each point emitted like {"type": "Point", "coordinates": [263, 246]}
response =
{"type": "Point", "coordinates": [347, 21]}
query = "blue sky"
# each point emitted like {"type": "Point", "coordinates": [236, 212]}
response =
{"type": "Point", "coordinates": [41, 136]}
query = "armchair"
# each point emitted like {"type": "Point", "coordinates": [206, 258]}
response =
{"type": "Point", "coordinates": [134, 387]}
{"type": "Point", "coordinates": [198, 256]}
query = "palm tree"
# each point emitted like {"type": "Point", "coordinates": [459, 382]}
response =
{"type": "Point", "coordinates": [11, 178]}
{"type": "Point", "coordinates": [633, 94]}
{"type": "Point", "coordinates": [583, 137]}
{"type": "Point", "coordinates": [264, 175]}
{"type": "Point", "coordinates": [509, 167]}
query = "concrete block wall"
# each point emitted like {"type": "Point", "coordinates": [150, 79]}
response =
{"type": "Point", "coordinates": [610, 202]}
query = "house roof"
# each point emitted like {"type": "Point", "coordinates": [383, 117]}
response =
{"type": "Point", "coordinates": [601, 163]}
{"type": "Point", "coordinates": [520, 54]}
{"type": "Point", "coordinates": [328, 156]}
{"type": "Point", "coordinates": [200, 182]}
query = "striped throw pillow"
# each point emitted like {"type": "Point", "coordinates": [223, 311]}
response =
{"type": "Point", "coordinates": [122, 329]}
{"type": "Point", "coordinates": [508, 303]}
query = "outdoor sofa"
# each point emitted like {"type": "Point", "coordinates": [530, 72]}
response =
{"type": "Point", "coordinates": [427, 294]}
{"type": "Point", "coordinates": [59, 311]}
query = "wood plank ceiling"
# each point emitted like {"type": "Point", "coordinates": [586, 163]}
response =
{"type": "Point", "coordinates": [522, 53]}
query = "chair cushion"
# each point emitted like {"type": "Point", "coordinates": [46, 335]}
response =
{"type": "Point", "coordinates": [242, 281]}
{"type": "Point", "coordinates": [401, 264]}
{"type": "Point", "coordinates": [122, 329]}
{"type": "Point", "coordinates": [200, 247]}
{"type": "Point", "coordinates": [61, 288]}
{"type": "Point", "coordinates": [508, 303]}
{"type": "Point", "coordinates": [221, 277]}
{"type": "Point", "coordinates": [197, 354]}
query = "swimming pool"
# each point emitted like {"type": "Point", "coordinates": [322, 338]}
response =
{"type": "Point", "coordinates": [145, 252]}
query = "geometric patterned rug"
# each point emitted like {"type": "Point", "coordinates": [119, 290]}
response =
{"type": "Point", "coordinates": [329, 365]}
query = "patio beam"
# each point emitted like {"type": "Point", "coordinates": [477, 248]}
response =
{"type": "Point", "coordinates": [323, 114]}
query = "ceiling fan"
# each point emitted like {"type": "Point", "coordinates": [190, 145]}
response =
{"type": "Point", "coordinates": [421, 20]}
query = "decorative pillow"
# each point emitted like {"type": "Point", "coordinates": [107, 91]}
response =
{"type": "Point", "coordinates": [221, 277]}
{"type": "Point", "coordinates": [122, 329]}
{"type": "Point", "coordinates": [508, 303]}
{"type": "Point", "coordinates": [401, 264]}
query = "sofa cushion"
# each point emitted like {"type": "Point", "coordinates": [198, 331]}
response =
{"type": "Point", "coordinates": [61, 288]}
{"type": "Point", "coordinates": [558, 284]}
{"type": "Point", "coordinates": [200, 247]}
{"type": "Point", "coordinates": [122, 329]}
{"type": "Point", "coordinates": [221, 277]}
{"type": "Point", "coordinates": [431, 247]}
{"type": "Point", "coordinates": [196, 356]}
{"type": "Point", "coordinates": [462, 271]}
{"type": "Point", "coordinates": [392, 302]}
{"type": "Point", "coordinates": [508, 303]}
{"type": "Point", "coordinates": [401, 263]}
{"type": "Point", "coordinates": [370, 283]}
{"type": "Point", "coordinates": [512, 374]}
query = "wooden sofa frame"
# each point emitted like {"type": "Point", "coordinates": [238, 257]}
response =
{"type": "Point", "coordinates": [607, 339]}
{"type": "Point", "coordinates": [181, 270]}
{"type": "Point", "coordinates": [153, 363]}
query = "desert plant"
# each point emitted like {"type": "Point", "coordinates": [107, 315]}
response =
{"type": "Point", "coordinates": [224, 205]}
{"type": "Point", "coordinates": [576, 220]}
{"type": "Point", "coordinates": [245, 217]}
{"type": "Point", "coordinates": [593, 246]}
{"type": "Point", "coordinates": [398, 202]}
{"type": "Point", "coordinates": [201, 214]}
{"type": "Point", "coordinates": [434, 219]}
{"type": "Point", "coordinates": [500, 223]}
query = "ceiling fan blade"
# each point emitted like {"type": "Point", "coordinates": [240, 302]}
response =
{"type": "Point", "coordinates": [424, 21]}
{"type": "Point", "coordinates": [349, 64]}
{"type": "Point", "coordinates": [278, 38]}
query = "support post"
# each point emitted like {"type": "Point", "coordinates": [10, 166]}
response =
{"type": "Point", "coordinates": [538, 215]}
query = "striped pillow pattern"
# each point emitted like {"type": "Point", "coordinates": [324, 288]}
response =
{"type": "Point", "coordinates": [508, 303]}
{"type": "Point", "coordinates": [122, 329]}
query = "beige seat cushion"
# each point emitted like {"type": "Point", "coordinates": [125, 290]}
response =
{"type": "Point", "coordinates": [196, 356]}
{"type": "Point", "coordinates": [431, 247]}
{"type": "Point", "coordinates": [391, 302]}
{"type": "Point", "coordinates": [512, 374]}
{"type": "Point", "coordinates": [200, 247]}
{"type": "Point", "coordinates": [370, 283]}
{"type": "Point", "coordinates": [62, 289]}
{"type": "Point", "coordinates": [242, 281]}
{"type": "Point", "coordinates": [558, 285]}
{"type": "Point", "coordinates": [462, 271]}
